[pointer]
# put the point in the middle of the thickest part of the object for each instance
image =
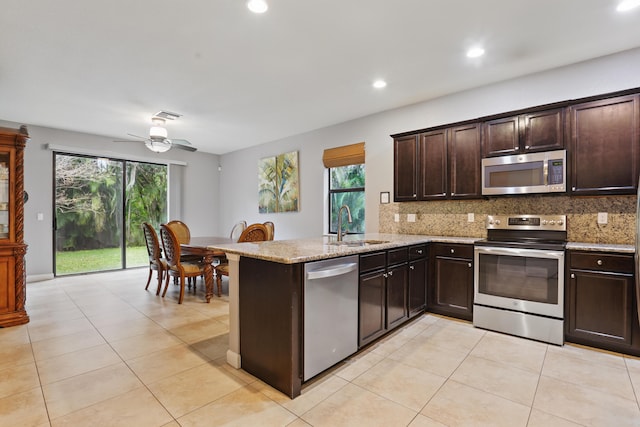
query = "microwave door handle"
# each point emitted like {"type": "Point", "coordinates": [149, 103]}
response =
{"type": "Point", "coordinates": [545, 172]}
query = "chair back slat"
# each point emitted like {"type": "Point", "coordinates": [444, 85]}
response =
{"type": "Point", "coordinates": [151, 239]}
{"type": "Point", "coordinates": [270, 229]}
{"type": "Point", "coordinates": [237, 230]}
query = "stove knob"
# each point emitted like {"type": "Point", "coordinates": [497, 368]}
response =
{"type": "Point", "coordinates": [490, 222]}
{"type": "Point", "coordinates": [552, 222]}
{"type": "Point", "coordinates": [544, 222]}
{"type": "Point", "coordinates": [497, 222]}
{"type": "Point", "coordinates": [559, 222]}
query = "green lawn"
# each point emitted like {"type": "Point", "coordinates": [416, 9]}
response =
{"type": "Point", "coordinates": [99, 260]}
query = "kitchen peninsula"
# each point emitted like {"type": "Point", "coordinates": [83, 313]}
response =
{"type": "Point", "coordinates": [266, 297]}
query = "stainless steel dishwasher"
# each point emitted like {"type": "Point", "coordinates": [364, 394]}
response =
{"type": "Point", "coordinates": [330, 313]}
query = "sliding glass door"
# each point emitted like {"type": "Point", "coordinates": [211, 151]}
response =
{"type": "Point", "coordinates": [100, 205]}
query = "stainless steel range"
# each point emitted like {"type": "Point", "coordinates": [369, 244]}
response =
{"type": "Point", "coordinates": [519, 277]}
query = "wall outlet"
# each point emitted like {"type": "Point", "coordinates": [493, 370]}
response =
{"type": "Point", "coordinates": [471, 217]}
{"type": "Point", "coordinates": [40, 216]}
{"type": "Point", "coordinates": [603, 218]}
{"type": "Point", "coordinates": [411, 217]}
{"type": "Point", "coordinates": [396, 217]}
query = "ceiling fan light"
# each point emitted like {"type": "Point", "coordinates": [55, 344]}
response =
{"type": "Point", "coordinates": [157, 132]}
{"type": "Point", "coordinates": [158, 146]}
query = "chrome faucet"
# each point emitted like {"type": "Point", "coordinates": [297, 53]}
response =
{"type": "Point", "coordinates": [340, 234]}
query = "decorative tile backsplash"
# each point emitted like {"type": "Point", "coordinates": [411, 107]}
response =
{"type": "Point", "coordinates": [450, 217]}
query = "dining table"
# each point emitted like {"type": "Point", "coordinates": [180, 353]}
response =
{"type": "Point", "coordinates": [204, 247]}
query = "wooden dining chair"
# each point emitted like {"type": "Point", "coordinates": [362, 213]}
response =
{"type": "Point", "coordinates": [176, 267]}
{"type": "Point", "coordinates": [237, 229]}
{"type": "Point", "coordinates": [156, 261]}
{"type": "Point", "coordinates": [182, 232]}
{"type": "Point", "coordinates": [271, 228]}
{"type": "Point", "coordinates": [253, 233]}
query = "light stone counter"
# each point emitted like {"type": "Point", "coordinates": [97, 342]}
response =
{"type": "Point", "coordinates": [313, 249]}
{"type": "Point", "coordinates": [601, 247]}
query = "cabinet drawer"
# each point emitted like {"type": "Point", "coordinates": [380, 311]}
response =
{"type": "Point", "coordinates": [602, 262]}
{"type": "Point", "coordinates": [397, 256]}
{"type": "Point", "coordinates": [417, 252]}
{"type": "Point", "coordinates": [373, 261]}
{"type": "Point", "coordinates": [453, 250]}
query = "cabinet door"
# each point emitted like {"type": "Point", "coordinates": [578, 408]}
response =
{"type": "Point", "coordinates": [417, 286]}
{"type": "Point", "coordinates": [600, 308]}
{"type": "Point", "coordinates": [451, 290]}
{"type": "Point", "coordinates": [433, 165]}
{"type": "Point", "coordinates": [8, 288]}
{"type": "Point", "coordinates": [464, 161]}
{"type": "Point", "coordinates": [605, 146]}
{"type": "Point", "coordinates": [397, 295]}
{"type": "Point", "coordinates": [405, 168]}
{"type": "Point", "coordinates": [500, 137]}
{"type": "Point", "coordinates": [543, 130]}
{"type": "Point", "coordinates": [372, 306]}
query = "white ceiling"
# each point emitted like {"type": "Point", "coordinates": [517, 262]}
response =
{"type": "Point", "coordinates": [241, 79]}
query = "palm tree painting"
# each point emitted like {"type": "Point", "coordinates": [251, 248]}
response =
{"type": "Point", "coordinates": [278, 183]}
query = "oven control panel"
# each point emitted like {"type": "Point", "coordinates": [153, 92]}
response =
{"type": "Point", "coordinates": [527, 222]}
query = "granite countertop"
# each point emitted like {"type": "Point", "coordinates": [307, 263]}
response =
{"type": "Point", "coordinates": [602, 247]}
{"type": "Point", "coordinates": [313, 249]}
{"type": "Point", "coordinates": [317, 248]}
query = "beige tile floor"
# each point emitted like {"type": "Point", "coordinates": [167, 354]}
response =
{"type": "Point", "coordinates": [101, 351]}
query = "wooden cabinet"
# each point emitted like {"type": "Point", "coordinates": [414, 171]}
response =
{"type": "Point", "coordinates": [523, 133]}
{"type": "Point", "coordinates": [417, 286]}
{"type": "Point", "coordinates": [405, 168]}
{"type": "Point", "coordinates": [605, 146]}
{"type": "Point", "coordinates": [383, 293]}
{"type": "Point", "coordinates": [600, 305]}
{"type": "Point", "coordinates": [439, 164]}
{"type": "Point", "coordinates": [372, 297]}
{"type": "Point", "coordinates": [464, 161]}
{"type": "Point", "coordinates": [12, 246]}
{"type": "Point", "coordinates": [450, 285]}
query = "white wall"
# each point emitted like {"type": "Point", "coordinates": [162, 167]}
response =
{"type": "Point", "coordinates": [239, 180]}
{"type": "Point", "coordinates": [198, 190]}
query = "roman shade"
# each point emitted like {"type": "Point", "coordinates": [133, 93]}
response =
{"type": "Point", "coordinates": [343, 156]}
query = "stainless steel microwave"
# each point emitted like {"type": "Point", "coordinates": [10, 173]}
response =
{"type": "Point", "coordinates": [544, 172]}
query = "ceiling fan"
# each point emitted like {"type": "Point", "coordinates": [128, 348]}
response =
{"type": "Point", "coordinates": [157, 140]}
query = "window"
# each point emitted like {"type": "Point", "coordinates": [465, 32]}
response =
{"type": "Point", "coordinates": [346, 187]}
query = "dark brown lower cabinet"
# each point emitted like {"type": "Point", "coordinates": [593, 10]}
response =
{"type": "Point", "coordinates": [450, 286]}
{"type": "Point", "coordinates": [600, 306]}
{"type": "Point", "coordinates": [384, 293]}
{"type": "Point", "coordinates": [417, 287]}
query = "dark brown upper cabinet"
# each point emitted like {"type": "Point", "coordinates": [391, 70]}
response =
{"type": "Point", "coordinates": [605, 146]}
{"type": "Point", "coordinates": [534, 131]}
{"type": "Point", "coordinates": [464, 161]}
{"type": "Point", "coordinates": [439, 164]}
{"type": "Point", "coordinates": [405, 168]}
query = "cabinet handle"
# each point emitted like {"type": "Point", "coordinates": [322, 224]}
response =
{"type": "Point", "coordinates": [573, 188]}
{"type": "Point", "coordinates": [526, 147]}
{"type": "Point", "coordinates": [385, 275]}
{"type": "Point", "coordinates": [412, 267]}
{"type": "Point", "coordinates": [573, 276]}
{"type": "Point", "coordinates": [469, 265]}
{"type": "Point", "coordinates": [599, 262]}
{"type": "Point", "coordinates": [391, 273]}
{"type": "Point", "coordinates": [419, 251]}
{"type": "Point", "coordinates": [414, 195]}
{"type": "Point", "coordinates": [453, 251]}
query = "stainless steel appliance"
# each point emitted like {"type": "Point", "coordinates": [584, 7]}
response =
{"type": "Point", "coordinates": [519, 277]}
{"type": "Point", "coordinates": [544, 172]}
{"type": "Point", "coordinates": [330, 313]}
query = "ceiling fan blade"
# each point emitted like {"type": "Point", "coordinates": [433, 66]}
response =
{"type": "Point", "coordinates": [136, 136]}
{"type": "Point", "coordinates": [126, 140]}
{"type": "Point", "coordinates": [183, 144]}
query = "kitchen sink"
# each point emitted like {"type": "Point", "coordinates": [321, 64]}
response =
{"type": "Point", "coordinates": [362, 242]}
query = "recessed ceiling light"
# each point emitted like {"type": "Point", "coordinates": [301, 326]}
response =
{"type": "Point", "coordinates": [626, 5]}
{"type": "Point", "coordinates": [379, 84]}
{"type": "Point", "coordinates": [475, 52]}
{"type": "Point", "coordinates": [257, 6]}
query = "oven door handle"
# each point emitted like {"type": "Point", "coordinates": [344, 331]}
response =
{"type": "Point", "coordinates": [533, 253]}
